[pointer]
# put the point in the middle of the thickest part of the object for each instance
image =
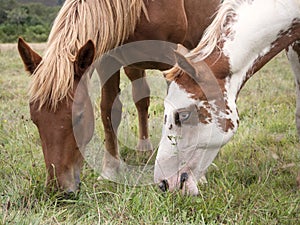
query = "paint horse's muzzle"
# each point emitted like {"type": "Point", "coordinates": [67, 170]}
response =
{"type": "Point", "coordinates": [184, 183]}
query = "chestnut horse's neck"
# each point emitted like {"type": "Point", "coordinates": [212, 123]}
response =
{"type": "Point", "coordinates": [108, 23]}
{"type": "Point", "coordinates": [252, 33]}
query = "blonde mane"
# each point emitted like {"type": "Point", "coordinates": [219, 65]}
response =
{"type": "Point", "coordinates": [107, 23]}
{"type": "Point", "coordinates": [213, 33]}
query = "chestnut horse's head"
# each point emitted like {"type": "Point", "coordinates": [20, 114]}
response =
{"type": "Point", "coordinates": [72, 117]}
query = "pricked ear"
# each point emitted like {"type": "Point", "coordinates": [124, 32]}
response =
{"type": "Point", "coordinates": [84, 58]}
{"type": "Point", "coordinates": [185, 64]}
{"type": "Point", "coordinates": [30, 58]}
{"type": "Point", "coordinates": [182, 64]}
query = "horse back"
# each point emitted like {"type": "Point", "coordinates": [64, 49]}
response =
{"type": "Point", "coordinates": [200, 14]}
{"type": "Point", "coordinates": [176, 21]}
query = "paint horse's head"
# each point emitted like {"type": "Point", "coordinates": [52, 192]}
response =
{"type": "Point", "coordinates": [72, 117]}
{"type": "Point", "coordinates": [198, 119]}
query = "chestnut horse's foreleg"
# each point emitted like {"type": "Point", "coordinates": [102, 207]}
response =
{"type": "Point", "coordinates": [141, 98]}
{"type": "Point", "coordinates": [111, 110]}
{"type": "Point", "coordinates": [293, 54]}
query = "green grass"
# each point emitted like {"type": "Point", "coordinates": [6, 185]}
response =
{"type": "Point", "coordinates": [252, 180]}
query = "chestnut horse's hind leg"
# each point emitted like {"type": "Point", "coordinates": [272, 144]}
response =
{"type": "Point", "coordinates": [141, 98]}
{"type": "Point", "coordinates": [293, 54]}
{"type": "Point", "coordinates": [111, 110]}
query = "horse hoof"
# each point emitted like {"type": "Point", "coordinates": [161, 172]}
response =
{"type": "Point", "coordinates": [144, 145]}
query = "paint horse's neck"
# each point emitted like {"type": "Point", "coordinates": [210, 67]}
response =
{"type": "Point", "coordinates": [252, 32]}
{"type": "Point", "coordinates": [211, 76]}
{"type": "Point", "coordinates": [256, 32]}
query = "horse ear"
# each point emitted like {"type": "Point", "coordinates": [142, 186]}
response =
{"type": "Point", "coordinates": [185, 64]}
{"type": "Point", "coordinates": [182, 64]}
{"type": "Point", "coordinates": [199, 71]}
{"type": "Point", "coordinates": [84, 58]}
{"type": "Point", "coordinates": [30, 58]}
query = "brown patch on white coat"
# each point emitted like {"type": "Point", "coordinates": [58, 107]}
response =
{"type": "Point", "coordinates": [205, 81]}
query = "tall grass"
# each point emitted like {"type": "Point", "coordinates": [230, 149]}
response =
{"type": "Point", "coordinates": [252, 180]}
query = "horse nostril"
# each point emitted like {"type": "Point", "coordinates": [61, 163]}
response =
{"type": "Point", "coordinates": [71, 194]}
{"type": "Point", "coordinates": [164, 186]}
{"type": "Point", "coordinates": [183, 178]}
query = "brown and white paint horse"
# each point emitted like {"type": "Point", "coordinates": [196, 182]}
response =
{"type": "Point", "coordinates": [81, 33]}
{"type": "Point", "coordinates": [200, 108]}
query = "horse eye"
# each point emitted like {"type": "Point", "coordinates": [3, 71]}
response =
{"type": "Point", "coordinates": [177, 119]}
{"type": "Point", "coordinates": [165, 119]}
{"type": "Point", "coordinates": [77, 119]}
{"type": "Point", "coordinates": [184, 116]}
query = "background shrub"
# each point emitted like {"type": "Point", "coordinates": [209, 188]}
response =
{"type": "Point", "coordinates": [29, 19]}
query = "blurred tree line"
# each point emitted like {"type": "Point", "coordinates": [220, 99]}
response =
{"type": "Point", "coordinates": [32, 20]}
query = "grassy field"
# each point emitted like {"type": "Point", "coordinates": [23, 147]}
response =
{"type": "Point", "coordinates": [252, 180]}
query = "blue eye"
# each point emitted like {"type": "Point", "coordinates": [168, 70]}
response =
{"type": "Point", "coordinates": [184, 116]}
{"type": "Point", "coordinates": [181, 116]}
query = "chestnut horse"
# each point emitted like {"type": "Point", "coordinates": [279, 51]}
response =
{"type": "Point", "coordinates": [81, 33]}
{"type": "Point", "coordinates": [200, 108]}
